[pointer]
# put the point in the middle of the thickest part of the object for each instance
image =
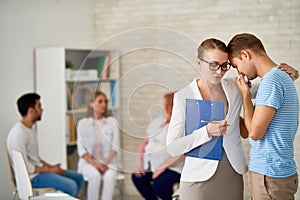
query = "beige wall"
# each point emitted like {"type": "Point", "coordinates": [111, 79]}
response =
{"type": "Point", "coordinates": [275, 22]}
{"type": "Point", "coordinates": [24, 26]}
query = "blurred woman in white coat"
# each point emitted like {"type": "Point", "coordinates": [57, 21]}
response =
{"type": "Point", "coordinates": [98, 144]}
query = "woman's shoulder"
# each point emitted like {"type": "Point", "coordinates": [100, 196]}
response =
{"type": "Point", "coordinates": [155, 125]}
{"type": "Point", "coordinates": [187, 90]}
{"type": "Point", "coordinates": [85, 120]}
{"type": "Point", "coordinates": [159, 120]}
{"type": "Point", "coordinates": [110, 119]}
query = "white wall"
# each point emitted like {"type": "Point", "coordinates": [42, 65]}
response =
{"type": "Point", "coordinates": [25, 25]}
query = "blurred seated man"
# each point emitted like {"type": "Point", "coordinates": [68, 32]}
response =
{"type": "Point", "coordinates": [23, 138]}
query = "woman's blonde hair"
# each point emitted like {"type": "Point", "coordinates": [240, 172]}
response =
{"type": "Point", "coordinates": [90, 111]}
{"type": "Point", "coordinates": [209, 44]}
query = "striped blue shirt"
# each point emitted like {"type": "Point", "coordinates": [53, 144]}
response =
{"type": "Point", "coordinates": [273, 155]}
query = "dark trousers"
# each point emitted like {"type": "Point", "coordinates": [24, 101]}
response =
{"type": "Point", "coordinates": [162, 186]}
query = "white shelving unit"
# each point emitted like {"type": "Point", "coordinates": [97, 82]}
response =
{"type": "Point", "coordinates": [63, 96]}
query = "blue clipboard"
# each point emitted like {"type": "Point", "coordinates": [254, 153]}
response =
{"type": "Point", "coordinates": [197, 110]}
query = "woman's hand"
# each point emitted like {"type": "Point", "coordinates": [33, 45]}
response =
{"type": "Point", "coordinates": [294, 74]}
{"type": "Point", "coordinates": [158, 172]}
{"type": "Point", "coordinates": [139, 171]}
{"type": "Point", "coordinates": [102, 168]}
{"type": "Point", "coordinates": [216, 128]}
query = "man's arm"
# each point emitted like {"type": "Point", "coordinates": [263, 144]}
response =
{"type": "Point", "coordinates": [55, 169]}
{"type": "Point", "coordinates": [45, 163]}
{"type": "Point", "coordinates": [258, 120]}
{"type": "Point", "coordinates": [243, 130]}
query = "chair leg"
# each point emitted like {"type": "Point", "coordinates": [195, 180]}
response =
{"type": "Point", "coordinates": [175, 195]}
{"type": "Point", "coordinates": [122, 189]}
{"type": "Point", "coordinates": [14, 194]}
{"type": "Point", "coordinates": [84, 189]}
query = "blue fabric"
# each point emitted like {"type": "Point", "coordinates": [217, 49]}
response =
{"type": "Point", "coordinates": [70, 183]}
{"type": "Point", "coordinates": [161, 187]}
{"type": "Point", "coordinates": [273, 155]}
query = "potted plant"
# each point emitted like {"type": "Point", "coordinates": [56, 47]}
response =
{"type": "Point", "coordinates": [69, 67]}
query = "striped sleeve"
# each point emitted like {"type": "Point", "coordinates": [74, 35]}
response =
{"type": "Point", "coordinates": [271, 92]}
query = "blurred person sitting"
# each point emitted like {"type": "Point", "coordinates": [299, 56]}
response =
{"type": "Point", "coordinates": [156, 170]}
{"type": "Point", "coordinates": [98, 143]}
{"type": "Point", "coordinates": [23, 138]}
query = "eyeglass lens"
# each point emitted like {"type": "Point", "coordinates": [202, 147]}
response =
{"type": "Point", "coordinates": [214, 66]}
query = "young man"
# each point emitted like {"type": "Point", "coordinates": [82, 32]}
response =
{"type": "Point", "coordinates": [273, 123]}
{"type": "Point", "coordinates": [22, 137]}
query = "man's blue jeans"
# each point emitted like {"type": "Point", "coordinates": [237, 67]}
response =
{"type": "Point", "coordinates": [70, 183]}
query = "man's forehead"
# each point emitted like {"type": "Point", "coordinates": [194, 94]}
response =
{"type": "Point", "coordinates": [37, 102]}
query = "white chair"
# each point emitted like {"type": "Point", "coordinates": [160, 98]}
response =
{"type": "Point", "coordinates": [175, 195]}
{"type": "Point", "coordinates": [51, 196]}
{"type": "Point", "coordinates": [23, 181]}
{"type": "Point", "coordinates": [120, 178]}
{"type": "Point", "coordinates": [36, 191]}
{"type": "Point", "coordinates": [12, 177]}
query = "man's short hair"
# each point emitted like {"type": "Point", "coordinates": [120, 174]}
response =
{"type": "Point", "coordinates": [244, 41]}
{"type": "Point", "coordinates": [26, 101]}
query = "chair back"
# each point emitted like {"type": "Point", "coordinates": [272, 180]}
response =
{"type": "Point", "coordinates": [24, 186]}
{"type": "Point", "coordinates": [11, 171]}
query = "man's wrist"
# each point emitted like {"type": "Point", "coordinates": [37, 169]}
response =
{"type": "Point", "coordinates": [246, 95]}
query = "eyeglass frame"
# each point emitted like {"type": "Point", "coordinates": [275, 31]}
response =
{"type": "Point", "coordinates": [216, 63]}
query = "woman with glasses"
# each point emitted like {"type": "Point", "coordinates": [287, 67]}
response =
{"type": "Point", "coordinates": [206, 178]}
{"type": "Point", "coordinates": [98, 143]}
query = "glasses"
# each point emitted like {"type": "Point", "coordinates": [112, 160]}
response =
{"type": "Point", "coordinates": [215, 66]}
